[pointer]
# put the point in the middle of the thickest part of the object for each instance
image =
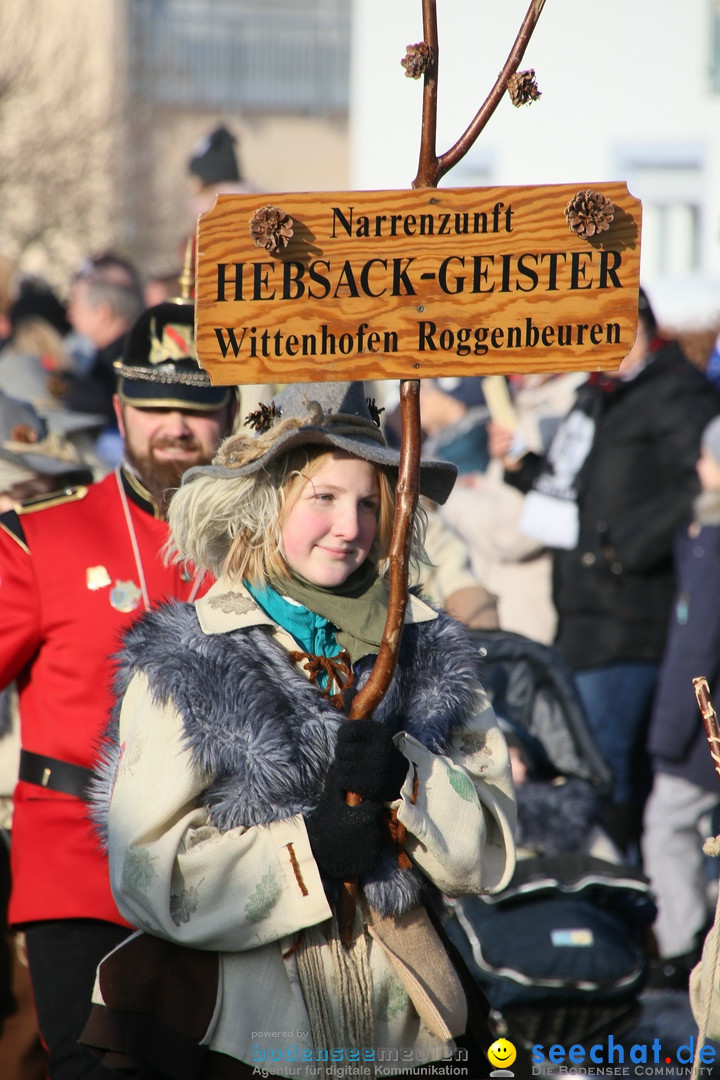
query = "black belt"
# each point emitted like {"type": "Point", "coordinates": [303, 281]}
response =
{"type": "Point", "coordinates": [50, 772]}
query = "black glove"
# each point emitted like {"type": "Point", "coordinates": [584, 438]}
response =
{"type": "Point", "coordinates": [345, 840]}
{"type": "Point", "coordinates": [368, 761]}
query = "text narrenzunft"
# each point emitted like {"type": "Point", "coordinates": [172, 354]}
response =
{"type": "Point", "coordinates": [406, 284]}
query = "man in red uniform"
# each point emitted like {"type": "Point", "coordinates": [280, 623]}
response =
{"type": "Point", "coordinates": [76, 569]}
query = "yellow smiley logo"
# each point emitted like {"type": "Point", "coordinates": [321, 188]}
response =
{"type": "Point", "coordinates": [502, 1053]}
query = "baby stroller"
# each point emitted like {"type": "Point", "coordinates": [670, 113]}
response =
{"type": "Point", "coordinates": [559, 953]}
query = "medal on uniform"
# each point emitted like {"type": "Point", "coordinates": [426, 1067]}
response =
{"type": "Point", "coordinates": [97, 577]}
{"type": "Point", "coordinates": [125, 596]}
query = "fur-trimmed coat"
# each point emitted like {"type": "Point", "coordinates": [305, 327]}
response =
{"type": "Point", "coordinates": [220, 747]}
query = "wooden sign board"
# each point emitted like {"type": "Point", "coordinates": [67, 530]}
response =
{"type": "Point", "coordinates": [406, 284]}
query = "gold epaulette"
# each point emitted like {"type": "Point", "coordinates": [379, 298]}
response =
{"type": "Point", "coordinates": [52, 498]}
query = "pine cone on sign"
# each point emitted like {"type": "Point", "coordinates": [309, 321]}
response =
{"type": "Point", "coordinates": [588, 213]}
{"type": "Point", "coordinates": [417, 60]}
{"type": "Point", "coordinates": [523, 88]}
{"type": "Point", "coordinates": [271, 228]}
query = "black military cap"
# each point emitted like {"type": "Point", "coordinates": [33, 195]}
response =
{"type": "Point", "coordinates": [159, 368]}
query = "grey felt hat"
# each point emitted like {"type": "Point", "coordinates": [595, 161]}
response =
{"type": "Point", "coordinates": [332, 414]}
{"type": "Point", "coordinates": [26, 443]}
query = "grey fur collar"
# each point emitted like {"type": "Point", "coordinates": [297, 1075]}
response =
{"type": "Point", "coordinates": [266, 735]}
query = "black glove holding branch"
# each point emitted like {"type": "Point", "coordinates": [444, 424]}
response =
{"type": "Point", "coordinates": [368, 761]}
{"type": "Point", "coordinates": [346, 840]}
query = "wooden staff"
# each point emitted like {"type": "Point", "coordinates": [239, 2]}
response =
{"type": "Point", "coordinates": [711, 952]}
{"type": "Point", "coordinates": [372, 693]}
{"type": "Point", "coordinates": [431, 169]}
{"type": "Point", "coordinates": [709, 718]}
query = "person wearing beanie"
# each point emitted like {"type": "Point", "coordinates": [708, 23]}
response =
{"type": "Point", "coordinates": [78, 567]}
{"type": "Point", "coordinates": [222, 783]}
{"type": "Point", "coordinates": [36, 299]}
{"type": "Point", "coordinates": [213, 170]}
{"type": "Point", "coordinates": [682, 808]}
{"type": "Point", "coordinates": [213, 159]}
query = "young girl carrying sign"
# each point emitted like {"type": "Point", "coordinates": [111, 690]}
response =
{"type": "Point", "coordinates": [225, 775]}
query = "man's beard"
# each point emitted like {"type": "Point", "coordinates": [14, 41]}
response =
{"type": "Point", "coordinates": [162, 478]}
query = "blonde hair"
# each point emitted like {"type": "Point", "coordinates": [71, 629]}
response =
{"type": "Point", "coordinates": [234, 526]}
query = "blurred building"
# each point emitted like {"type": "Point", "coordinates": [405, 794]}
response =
{"type": "Point", "coordinates": [630, 91]}
{"type": "Point", "coordinates": [101, 105]}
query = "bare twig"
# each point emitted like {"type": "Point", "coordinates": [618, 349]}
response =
{"type": "Point", "coordinates": [427, 175]}
{"type": "Point", "coordinates": [432, 168]}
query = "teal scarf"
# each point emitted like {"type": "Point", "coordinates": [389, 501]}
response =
{"type": "Point", "coordinates": [350, 617]}
{"type": "Point", "coordinates": [314, 632]}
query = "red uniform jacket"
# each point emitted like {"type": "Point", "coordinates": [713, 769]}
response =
{"type": "Point", "coordinates": [69, 586]}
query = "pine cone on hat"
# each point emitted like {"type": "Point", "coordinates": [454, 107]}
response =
{"type": "Point", "coordinates": [588, 213]}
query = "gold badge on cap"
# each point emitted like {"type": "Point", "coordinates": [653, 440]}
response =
{"type": "Point", "coordinates": [125, 596]}
{"type": "Point", "coordinates": [176, 343]}
{"type": "Point", "coordinates": [97, 577]}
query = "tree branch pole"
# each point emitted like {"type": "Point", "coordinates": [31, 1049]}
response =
{"type": "Point", "coordinates": [427, 174]}
{"type": "Point", "coordinates": [406, 497]}
{"type": "Point", "coordinates": [711, 952]}
{"type": "Point", "coordinates": [372, 693]}
{"type": "Point", "coordinates": [430, 171]}
{"type": "Point", "coordinates": [431, 167]}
